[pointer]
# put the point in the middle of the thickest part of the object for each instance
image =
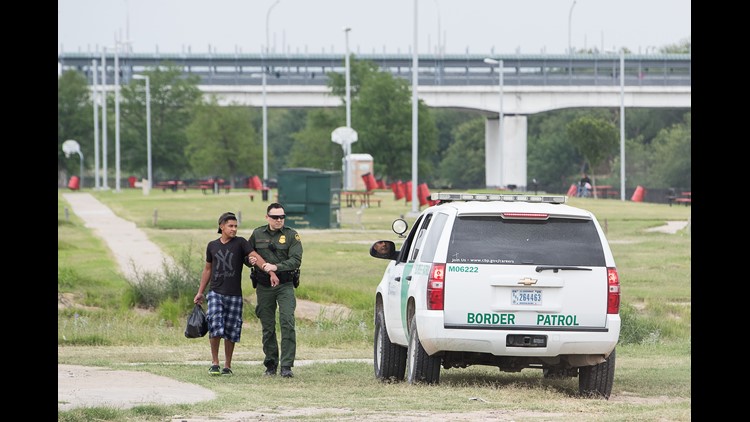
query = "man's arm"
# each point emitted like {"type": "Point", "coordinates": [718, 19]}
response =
{"type": "Point", "coordinates": [259, 262]}
{"type": "Point", "coordinates": [204, 282]}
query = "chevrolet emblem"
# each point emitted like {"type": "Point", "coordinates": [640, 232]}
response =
{"type": "Point", "coordinates": [527, 281]}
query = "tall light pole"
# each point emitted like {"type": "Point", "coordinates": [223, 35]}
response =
{"type": "Point", "coordinates": [265, 107]}
{"type": "Point", "coordinates": [347, 145]}
{"type": "Point", "coordinates": [500, 125]}
{"type": "Point", "coordinates": [96, 124]}
{"type": "Point", "coordinates": [105, 182]}
{"type": "Point", "coordinates": [117, 117]}
{"type": "Point", "coordinates": [622, 124]}
{"type": "Point", "coordinates": [414, 118]}
{"type": "Point", "coordinates": [570, 19]}
{"type": "Point", "coordinates": [148, 130]}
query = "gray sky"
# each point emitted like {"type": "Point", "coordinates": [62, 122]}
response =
{"type": "Point", "coordinates": [316, 26]}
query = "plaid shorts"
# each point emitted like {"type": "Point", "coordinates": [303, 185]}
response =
{"type": "Point", "coordinates": [224, 316]}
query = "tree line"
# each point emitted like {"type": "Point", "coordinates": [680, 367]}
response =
{"type": "Point", "coordinates": [195, 138]}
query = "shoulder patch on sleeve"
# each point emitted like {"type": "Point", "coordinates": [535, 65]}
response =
{"type": "Point", "coordinates": [296, 236]}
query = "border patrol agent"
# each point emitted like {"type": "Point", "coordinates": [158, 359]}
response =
{"type": "Point", "coordinates": [281, 247]}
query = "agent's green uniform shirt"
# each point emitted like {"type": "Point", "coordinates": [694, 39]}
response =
{"type": "Point", "coordinates": [287, 255]}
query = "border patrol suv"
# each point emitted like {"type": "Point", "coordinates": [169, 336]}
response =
{"type": "Point", "coordinates": [512, 281]}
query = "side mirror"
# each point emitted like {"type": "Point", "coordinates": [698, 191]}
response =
{"type": "Point", "coordinates": [399, 226]}
{"type": "Point", "coordinates": [384, 249]}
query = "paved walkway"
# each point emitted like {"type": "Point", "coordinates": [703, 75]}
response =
{"type": "Point", "coordinates": [130, 245]}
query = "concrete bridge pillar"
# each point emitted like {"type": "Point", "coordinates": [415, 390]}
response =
{"type": "Point", "coordinates": [505, 164]}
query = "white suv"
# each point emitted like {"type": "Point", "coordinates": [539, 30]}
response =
{"type": "Point", "coordinates": [512, 281]}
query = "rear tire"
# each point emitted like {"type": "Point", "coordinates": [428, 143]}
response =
{"type": "Point", "coordinates": [421, 368]}
{"type": "Point", "coordinates": [389, 358]}
{"type": "Point", "coordinates": [596, 381]}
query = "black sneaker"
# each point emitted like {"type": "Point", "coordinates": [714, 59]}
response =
{"type": "Point", "coordinates": [286, 372]}
{"type": "Point", "coordinates": [214, 370]}
{"type": "Point", "coordinates": [226, 371]}
{"type": "Point", "coordinates": [270, 371]}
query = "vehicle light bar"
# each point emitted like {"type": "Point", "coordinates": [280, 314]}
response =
{"type": "Point", "coordinates": [484, 197]}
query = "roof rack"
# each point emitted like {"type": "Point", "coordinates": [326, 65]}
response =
{"type": "Point", "coordinates": [486, 197]}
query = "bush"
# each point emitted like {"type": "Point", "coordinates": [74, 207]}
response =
{"type": "Point", "coordinates": [636, 330]}
{"type": "Point", "coordinates": [177, 283]}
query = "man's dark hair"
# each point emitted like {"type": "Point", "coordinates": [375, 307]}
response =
{"type": "Point", "coordinates": [274, 205]}
{"type": "Point", "coordinates": [225, 217]}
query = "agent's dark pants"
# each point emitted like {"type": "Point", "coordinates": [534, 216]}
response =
{"type": "Point", "coordinates": [265, 310]}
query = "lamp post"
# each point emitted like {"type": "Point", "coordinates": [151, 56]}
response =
{"type": "Point", "coordinates": [96, 124]}
{"type": "Point", "coordinates": [500, 125]}
{"type": "Point", "coordinates": [265, 107]}
{"type": "Point", "coordinates": [570, 19]}
{"type": "Point", "coordinates": [414, 118]}
{"type": "Point", "coordinates": [117, 117]}
{"type": "Point", "coordinates": [347, 145]}
{"type": "Point", "coordinates": [105, 182]}
{"type": "Point", "coordinates": [622, 124]}
{"type": "Point", "coordinates": [148, 130]}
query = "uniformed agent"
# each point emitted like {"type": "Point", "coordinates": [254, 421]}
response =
{"type": "Point", "coordinates": [281, 248]}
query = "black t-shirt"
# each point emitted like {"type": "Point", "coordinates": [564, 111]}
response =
{"type": "Point", "coordinates": [226, 261]}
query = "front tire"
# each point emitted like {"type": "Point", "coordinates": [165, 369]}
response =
{"type": "Point", "coordinates": [421, 368]}
{"type": "Point", "coordinates": [596, 381]}
{"type": "Point", "coordinates": [389, 358]}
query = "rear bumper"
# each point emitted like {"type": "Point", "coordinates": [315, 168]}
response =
{"type": "Point", "coordinates": [436, 338]}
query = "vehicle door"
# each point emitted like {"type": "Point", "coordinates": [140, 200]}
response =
{"type": "Point", "coordinates": [399, 277]}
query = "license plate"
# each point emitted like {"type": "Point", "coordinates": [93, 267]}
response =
{"type": "Point", "coordinates": [526, 297]}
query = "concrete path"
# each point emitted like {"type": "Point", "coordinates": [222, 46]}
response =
{"type": "Point", "coordinates": [130, 245]}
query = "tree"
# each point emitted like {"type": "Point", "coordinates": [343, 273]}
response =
{"type": "Point", "coordinates": [381, 115]}
{"type": "Point", "coordinates": [74, 119]}
{"type": "Point", "coordinates": [222, 142]}
{"type": "Point", "coordinates": [595, 138]}
{"type": "Point", "coordinates": [552, 159]}
{"type": "Point", "coordinates": [173, 100]}
{"type": "Point", "coordinates": [682, 47]}
{"type": "Point", "coordinates": [313, 147]}
{"type": "Point", "coordinates": [463, 161]}
{"type": "Point", "coordinates": [671, 152]}
{"type": "Point", "coordinates": [283, 124]}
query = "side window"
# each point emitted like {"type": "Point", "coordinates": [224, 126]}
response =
{"type": "Point", "coordinates": [420, 238]}
{"type": "Point", "coordinates": [433, 237]}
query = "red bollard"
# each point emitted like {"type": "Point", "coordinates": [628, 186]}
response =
{"type": "Point", "coordinates": [407, 190]}
{"type": "Point", "coordinates": [73, 183]}
{"type": "Point", "coordinates": [423, 192]}
{"type": "Point", "coordinates": [572, 190]}
{"type": "Point", "coordinates": [640, 191]}
{"type": "Point", "coordinates": [398, 189]}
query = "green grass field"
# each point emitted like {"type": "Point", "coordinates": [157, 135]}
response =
{"type": "Point", "coordinates": [652, 380]}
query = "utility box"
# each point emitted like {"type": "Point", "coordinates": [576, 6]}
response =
{"type": "Point", "coordinates": [358, 164]}
{"type": "Point", "coordinates": [311, 197]}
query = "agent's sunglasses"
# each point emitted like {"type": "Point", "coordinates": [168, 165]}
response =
{"type": "Point", "coordinates": [277, 217]}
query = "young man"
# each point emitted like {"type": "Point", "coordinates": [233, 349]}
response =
{"type": "Point", "coordinates": [225, 257]}
{"type": "Point", "coordinates": [281, 247]}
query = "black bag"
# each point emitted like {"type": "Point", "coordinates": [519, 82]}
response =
{"type": "Point", "coordinates": [197, 324]}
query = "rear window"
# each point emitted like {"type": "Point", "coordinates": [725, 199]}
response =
{"type": "Point", "coordinates": [556, 241]}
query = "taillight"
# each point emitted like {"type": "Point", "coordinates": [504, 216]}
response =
{"type": "Point", "coordinates": [613, 295]}
{"type": "Point", "coordinates": [436, 287]}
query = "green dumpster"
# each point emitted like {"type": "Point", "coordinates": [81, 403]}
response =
{"type": "Point", "coordinates": [311, 197]}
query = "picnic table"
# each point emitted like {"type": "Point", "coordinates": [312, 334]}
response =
{"type": "Point", "coordinates": [604, 191]}
{"type": "Point", "coordinates": [684, 198]}
{"type": "Point", "coordinates": [350, 198]}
